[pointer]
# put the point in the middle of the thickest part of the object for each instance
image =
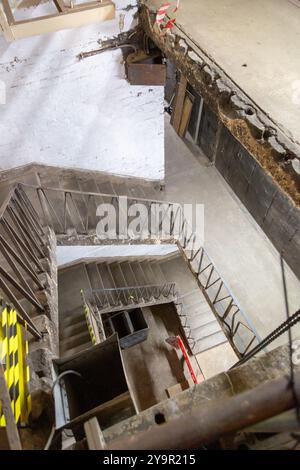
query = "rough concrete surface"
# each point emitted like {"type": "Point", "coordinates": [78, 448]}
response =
{"type": "Point", "coordinates": [242, 253]}
{"type": "Point", "coordinates": [257, 44]}
{"type": "Point", "coordinates": [63, 111]}
{"type": "Point", "coordinates": [225, 385]}
{"type": "Point", "coordinates": [270, 144]}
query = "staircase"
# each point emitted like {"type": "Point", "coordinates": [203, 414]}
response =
{"type": "Point", "coordinates": [66, 200]}
{"type": "Point", "coordinates": [113, 278]}
{"type": "Point", "coordinates": [203, 331]}
{"type": "Point", "coordinates": [107, 277]}
{"type": "Point", "coordinates": [25, 258]}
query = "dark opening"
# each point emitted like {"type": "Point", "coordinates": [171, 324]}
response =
{"type": "Point", "coordinates": [159, 418]}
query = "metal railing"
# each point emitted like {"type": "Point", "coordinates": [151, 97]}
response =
{"type": "Point", "coordinates": [23, 246]}
{"type": "Point", "coordinates": [239, 330]}
{"type": "Point", "coordinates": [110, 299]}
{"type": "Point", "coordinates": [93, 320]}
{"type": "Point", "coordinates": [72, 210]}
{"type": "Point", "coordinates": [66, 210]}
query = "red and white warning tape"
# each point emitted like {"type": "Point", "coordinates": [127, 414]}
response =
{"type": "Point", "coordinates": [161, 16]}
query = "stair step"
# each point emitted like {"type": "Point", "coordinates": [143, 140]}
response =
{"type": "Point", "coordinates": [128, 274]}
{"type": "Point", "coordinates": [200, 320]}
{"type": "Point", "coordinates": [73, 329]}
{"type": "Point", "coordinates": [116, 271]}
{"type": "Point", "coordinates": [122, 188]}
{"type": "Point", "coordinates": [193, 297]}
{"type": "Point", "coordinates": [106, 276]}
{"type": "Point", "coordinates": [153, 192]}
{"type": "Point", "coordinates": [87, 184]}
{"type": "Point", "coordinates": [139, 273]}
{"type": "Point", "coordinates": [71, 318]}
{"type": "Point", "coordinates": [150, 277]}
{"type": "Point", "coordinates": [194, 311]}
{"type": "Point", "coordinates": [209, 342]}
{"type": "Point", "coordinates": [70, 283]}
{"type": "Point", "coordinates": [105, 187]}
{"type": "Point", "coordinates": [48, 179]}
{"type": "Point", "coordinates": [205, 330]}
{"type": "Point", "coordinates": [75, 350]}
{"type": "Point", "coordinates": [68, 182]}
{"type": "Point", "coordinates": [157, 271]}
{"type": "Point", "coordinates": [94, 276]}
{"type": "Point", "coordinates": [75, 340]}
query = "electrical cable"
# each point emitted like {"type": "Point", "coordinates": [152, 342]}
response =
{"type": "Point", "coordinates": [292, 371]}
{"type": "Point", "coordinates": [58, 378]}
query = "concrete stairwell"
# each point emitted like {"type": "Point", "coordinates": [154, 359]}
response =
{"type": "Point", "coordinates": [67, 201]}
{"type": "Point", "coordinates": [200, 325]}
{"type": "Point", "coordinates": [73, 331]}
{"type": "Point", "coordinates": [108, 274]}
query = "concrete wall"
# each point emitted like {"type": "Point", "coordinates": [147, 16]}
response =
{"type": "Point", "coordinates": [270, 207]}
{"type": "Point", "coordinates": [71, 254]}
{"type": "Point", "coordinates": [82, 114]}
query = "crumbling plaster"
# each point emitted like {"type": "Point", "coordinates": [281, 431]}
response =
{"type": "Point", "coordinates": [272, 147]}
{"type": "Point", "coordinates": [68, 112]}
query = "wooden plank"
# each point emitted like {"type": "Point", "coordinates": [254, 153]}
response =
{"type": "Point", "coordinates": [5, 26]}
{"type": "Point", "coordinates": [72, 18]}
{"type": "Point", "coordinates": [103, 411]}
{"type": "Point", "coordinates": [60, 5]}
{"type": "Point", "coordinates": [94, 435]}
{"type": "Point", "coordinates": [8, 12]}
{"type": "Point", "coordinates": [186, 114]}
{"type": "Point", "coordinates": [11, 427]}
{"type": "Point", "coordinates": [179, 102]}
{"type": "Point", "coordinates": [147, 74]}
{"type": "Point", "coordinates": [174, 390]}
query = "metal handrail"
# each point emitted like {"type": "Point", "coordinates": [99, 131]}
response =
{"type": "Point", "coordinates": [22, 247]}
{"type": "Point", "coordinates": [135, 295]}
{"type": "Point", "coordinates": [239, 330]}
{"type": "Point", "coordinates": [66, 213]}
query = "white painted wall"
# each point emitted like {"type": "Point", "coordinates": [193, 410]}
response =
{"type": "Point", "coordinates": [82, 114]}
{"type": "Point", "coordinates": [69, 254]}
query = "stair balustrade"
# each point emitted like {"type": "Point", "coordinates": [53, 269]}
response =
{"type": "Point", "coordinates": [23, 254]}
{"type": "Point", "coordinates": [73, 210]}
{"type": "Point", "coordinates": [136, 296]}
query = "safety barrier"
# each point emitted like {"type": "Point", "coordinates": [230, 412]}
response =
{"type": "Point", "coordinates": [95, 327]}
{"type": "Point", "coordinates": [66, 210]}
{"type": "Point", "coordinates": [13, 357]}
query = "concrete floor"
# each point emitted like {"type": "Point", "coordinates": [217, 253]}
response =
{"type": "Point", "coordinates": [216, 360]}
{"type": "Point", "coordinates": [257, 44]}
{"type": "Point", "coordinates": [153, 365]}
{"type": "Point", "coordinates": [242, 253]}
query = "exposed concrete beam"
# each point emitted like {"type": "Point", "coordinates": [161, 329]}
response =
{"type": "Point", "coordinates": [267, 367]}
{"type": "Point", "coordinates": [273, 149]}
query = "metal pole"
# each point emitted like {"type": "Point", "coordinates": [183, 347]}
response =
{"type": "Point", "coordinates": [217, 418]}
{"type": "Point", "coordinates": [11, 427]}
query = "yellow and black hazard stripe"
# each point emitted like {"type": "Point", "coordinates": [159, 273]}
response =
{"type": "Point", "coordinates": [27, 378]}
{"type": "Point", "coordinates": [17, 398]}
{"type": "Point", "coordinates": [4, 352]}
{"type": "Point", "coordinates": [89, 325]}
{"type": "Point", "coordinates": [14, 352]}
{"type": "Point", "coordinates": [87, 315]}
{"type": "Point", "coordinates": [11, 363]}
